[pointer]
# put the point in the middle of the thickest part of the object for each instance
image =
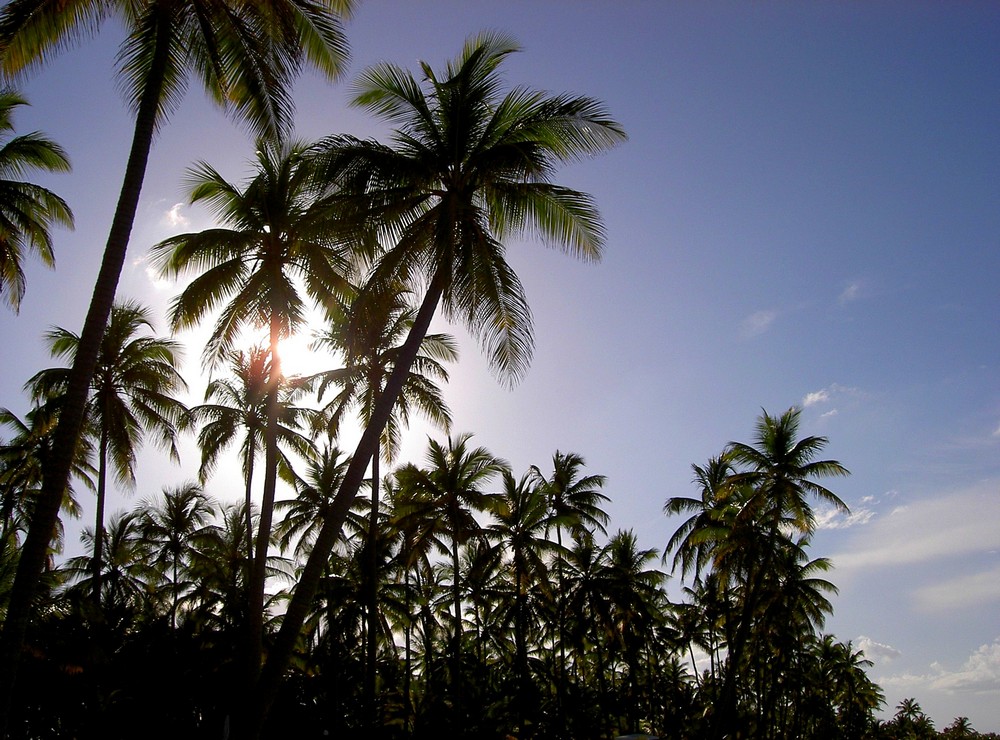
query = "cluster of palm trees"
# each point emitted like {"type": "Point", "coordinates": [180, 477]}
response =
{"type": "Point", "coordinates": [483, 603]}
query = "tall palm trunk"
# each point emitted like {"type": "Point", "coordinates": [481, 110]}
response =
{"type": "Point", "coordinates": [302, 597]}
{"type": "Point", "coordinates": [455, 678]}
{"type": "Point", "coordinates": [247, 516]}
{"type": "Point", "coordinates": [258, 568]}
{"type": "Point", "coordinates": [97, 571]}
{"type": "Point", "coordinates": [372, 594]}
{"type": "Point", "coordinates": [56, 480]}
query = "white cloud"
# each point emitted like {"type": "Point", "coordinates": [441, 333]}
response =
{"type": "Point", "coordinates": [829, 517]}
{"type": "Point", "coordinates": [980, 674]}
{"type": "Point", "coordinates": [174, 218]}
{"type": "Point", "coordinates": [946, 525]}
{"type": "Point", "coordinates": [825, 395]}
{"type": "Point", "coordinates": [757, 323]}
{"type": "Point", "coordinates": [973, 589]}
{"type": "Point", "coordinates": [876, 650]}
{"type": "Point", "coordinates": [996, 432]}
{"type": "Point", "coordinates": [815, 397]}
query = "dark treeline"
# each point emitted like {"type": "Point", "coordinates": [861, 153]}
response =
{"type": "Point", "coordinates": [483, 603]}
{"type": "Point", "coordinates": [454, 597]}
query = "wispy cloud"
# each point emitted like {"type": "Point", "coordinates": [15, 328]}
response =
{"type": "Point", "coordinates": [946, 525]}
{"type": "Point", "coordinates": [851, 292]}
{"type": "Point", "coordinates": [828, 517]}
{"type": "Point", "coordinates": [757, 323]}
{"type": "Point", "coordinates": [968, 590]}
{"type": "Point", "coordinates": [829, 395]}
{"type": "Point", "coordinates": [980, 674]}
{"type": "Point", "coordinates": [174, 217]}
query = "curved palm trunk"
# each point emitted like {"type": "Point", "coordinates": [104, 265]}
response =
{"type": "Point", "coordinates": [303, 594]}
{"type": "Point", "coordinates": [46, 513]}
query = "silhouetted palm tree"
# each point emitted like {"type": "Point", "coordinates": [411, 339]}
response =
{"type": "Point", "coordinates": [276, 232]}
{"type": "Point", "coordinates": [452, 483]}
{"type": "Point", "coordinates": [169, 525]}
{"type": "Point", "coordinates": [246, 55]}
{"type": "Point", "coordinates": [367, 332]}
{"type": "Point", "coordinates": [27, 211]}
{"type": "Point", "coordinates": [132, 398]}
{"type": "Point", "coordinates": [471, 168]}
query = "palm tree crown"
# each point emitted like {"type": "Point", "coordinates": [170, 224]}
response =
{"type": "Point", "coordinates": [27, 211]}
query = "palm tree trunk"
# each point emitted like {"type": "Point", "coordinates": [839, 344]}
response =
{"type": "Point", "coordinates": [303, 594]}
{"type": "Point", "coordinates": [102, 482]}
{"type": "Point", "coordinates": [372, 596]}
{"type": "Point", "coordinates": [455, 679]}
{"type": "Point", "coordinates": [408, 660]}
{"type": "Point", "coordinates": [56, 480]}
{"type": "Point", "coordinates": [255, 620]}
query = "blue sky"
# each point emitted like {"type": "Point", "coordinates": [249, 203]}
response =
{"type": "Point", "coordinates": [806, 213]}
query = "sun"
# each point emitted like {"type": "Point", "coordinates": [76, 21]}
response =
{"type": "Point", "coordinates": [298, 359]}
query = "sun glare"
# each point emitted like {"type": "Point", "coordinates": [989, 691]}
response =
{"type": "Point", "coordinates": [298, 359]}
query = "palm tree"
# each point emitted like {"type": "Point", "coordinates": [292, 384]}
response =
{"type": "Point", "coordinates": [366, 332]}
{"type": "Point", "coordinates": [23, 459]}
{"type": "Point", "coordinates": [246, 55]}
{"type": "Point", "coordinates": [631, 589]}
{"type": "Point", "coordinates": [752, 497]}
{"type": "Point", "coordinates": [522, 523]}
{"type": "Point", "coordinates": [277, 230]}
{"type": "Point", "coordinates": [471, 168]}
{"type": "Point", "coordinates": [452, 483]}
{"type": "Point", "coordinates": [780, 467]}
{"type": "Point", "coordinates": [131, 399]}
{"type": "Point", "coordinates": [575, 503]}
{"type": "Point", "coordinates": [413, 518]}
{"type": "Point", "coordinates": [692, 542]}
{"type": "Point", "coordinates": [126, 585]}
{"type": "Point", "coordinates": [236, 406]}
{"type": "Point", "coordinates": [27, 211]}
{"type": "Point", "coordinates": [169, 526]}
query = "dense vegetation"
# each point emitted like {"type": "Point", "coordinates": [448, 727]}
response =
{"type": "Point", "coordinates": [456, 596]}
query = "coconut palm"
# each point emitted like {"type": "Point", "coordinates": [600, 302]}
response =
{"type": "Point", "coordinates": [631, 589]}
{"type": "Point", "coordinates": [523, 519]}
{"type": "Point", "coordinates": [246, 55]}
{"type": "Point", "coordinates": [470, 169]}
{"type": "Point", "coordinates": [131, 399]}
{"type": "Point", "coordinates": [367, 331]}
{"type": "Point", "coordinates": [27, 211]}
{"type": "Point", "coordinates": [414, 520]}
{"type": "Point", "coordinates": [781, 468]}
{"type": "Point", "coordinates": [314, 492]}
{"type": "Point", "coordinates": [277, 230]}
{"type": "Point", "coordinates": [452, 482]}
{"type": "Point", "coordinates": [574, 503]}
{"type": "Point", "coordinates": [23, 459]}
{"type": "Point", "coordinates": [692, 542]}
{"type": "Point", "coordinates": [127, 583]}
{"type": "Point", "coordinates": [236, 408]}
{"type": "Point", "coordinates": [169, 525]}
